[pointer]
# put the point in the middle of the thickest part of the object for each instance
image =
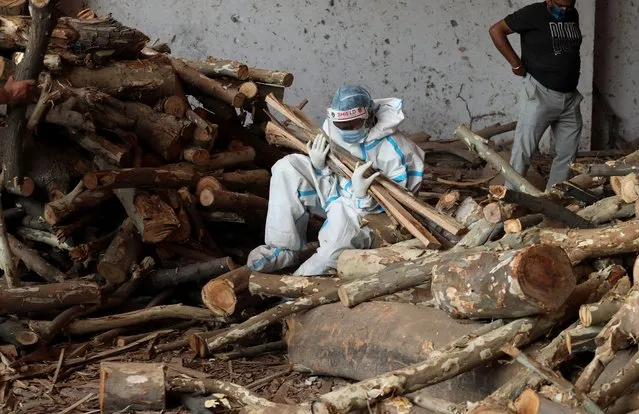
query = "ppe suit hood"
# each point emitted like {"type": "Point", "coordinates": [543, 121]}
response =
{"type": "Point", "coordinates": [389, 116]}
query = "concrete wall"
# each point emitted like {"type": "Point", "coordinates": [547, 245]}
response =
{"type": "Point", "coordinates": [617, 71]}
{"type": "Point", "coordinates": [436, 55]}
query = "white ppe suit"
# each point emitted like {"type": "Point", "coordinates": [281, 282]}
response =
{"type": "Point", "coordinates": [297, 189]}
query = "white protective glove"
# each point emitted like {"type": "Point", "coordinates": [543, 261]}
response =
{"type": "Point", "coordinates": [317, 151]}
{"type": "Point", "coordinates": [360, 183]}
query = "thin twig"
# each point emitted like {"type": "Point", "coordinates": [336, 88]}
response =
{"type": "Point", "coordinates": [72, 407]}
{"type": "Point", "coordinates": [57, 370]}
{"type": "Point", "coordinates": [266, 380]}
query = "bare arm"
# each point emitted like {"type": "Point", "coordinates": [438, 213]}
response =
{"type": "Point", "coordinates": [499, 33]}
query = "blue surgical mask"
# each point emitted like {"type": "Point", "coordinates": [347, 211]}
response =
{"type": "Point", "coordinates": [354, 137]}
{"type": "Point", "coordinates": [559, 13]}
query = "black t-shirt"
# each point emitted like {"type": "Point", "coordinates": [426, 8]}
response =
{"type": "Point", "coordinates": [549, 48]}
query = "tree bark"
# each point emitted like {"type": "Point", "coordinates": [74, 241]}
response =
{"type": "Point", "coordinates": [229, 159]}
{"type": "Point", "coordinates": [136, 80]}
{"type": "Point", "coordinates": [76, 201]}
{"type": "Point", "coordinates": [511, 284]}
{"type": "Point", "coordinates": [132, 386]}
{"type": "Point", "coordinates": [196, 155]}
{"type": "Point", "coordinates": [607, 394]}
{"type": "Point", "coordinates": [121, 254]}
{"type": "Point", "coordinates": [607, 210]}
{"type": "Point", "coordinates": [140, 317]}
{"type": "Point", "coordinates": [289, 286]}
{"type": "Point", "coordinates": [242, 179]}
{"type": "Point", "coordinates": [609, 169]}
{"type": "Point", "coordinates": [48, 297]}
{"type": "Point", "coordinates": [169, 176]}
{"type": "Point", "coordinates": [11, 275]}
{"type": "Point", "coordinates": [540, 205]}
{"type": "Point", "coordinates": [217, 67]}
{"type": "Point", "coordinates": [357, 264]}
{"type": "Point", "coordinates": [213, 386]}
{"type": "Point", "coordinates": [479, 145]}
{"type": "Point", "coordinates": [39, 32]}
{"type": "Point", "coordinates": [194, 273]}
{"type": "Point", "coordinates": [227, 200]}
{"type": "Point", "coordinates": [206, 85]}
{"type": "Point", "coordinates": [272, 77]}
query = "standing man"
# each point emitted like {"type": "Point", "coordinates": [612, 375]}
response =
{"type": "Point", "coordinates": [550, 64]}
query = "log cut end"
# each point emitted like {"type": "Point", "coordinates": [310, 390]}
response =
{"type": "Point", "coordinates": [545, 275]}
{"type": "Point", "coordinates": [249, 89]}
{"type": "Point", "coordinates": [26, 338]}
{"type": "Point", "coordinates": [24, 189]}
{"type": "Point", "coordinates": [219, 297]}
{"type": "Point", "coordinates": [498, 191]}
{"type": "Point", "coordinates": [198, 156]}
{"type": "Point", "coordinates": [197, 344]}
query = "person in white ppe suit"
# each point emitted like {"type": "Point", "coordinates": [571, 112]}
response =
{"type": "Point", "coordinates": [303, 184]}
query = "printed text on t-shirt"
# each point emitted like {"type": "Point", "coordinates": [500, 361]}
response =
{"type": "Point", "coordinates": [566, 37]}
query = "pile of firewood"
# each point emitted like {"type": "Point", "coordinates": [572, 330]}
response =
{"type": "Point", "coordinates": [137, 172]}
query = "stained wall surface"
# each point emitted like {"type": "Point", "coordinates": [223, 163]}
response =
{"type": "Point", "coordinates": [436, 55]}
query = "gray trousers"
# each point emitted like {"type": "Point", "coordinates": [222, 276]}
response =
{"type": "Point", "coordinates": [542, 108]}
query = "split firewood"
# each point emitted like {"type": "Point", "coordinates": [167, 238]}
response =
{"type": "Point", "coordinates": [140, 317]}
{"type": "Point", "coordinates": [630, 188]}
{"type": "Point", "coordinates": [518, 225]}
{"type": "Point", "coordinates": [539, 205]}
{"type": "Point", "coordinates": [15, 333]}
{"type": "Point", "coordinates": [570, 190]}
{"type": "Point", "coordinates": [601, 312]}
{"type": "Point", "coordinates": [121, 254]}
{"type": "Point", "coordinates": [38, 29]}
{"type": "Point", "coordinates": [217, 67]}
{"type": "Point", "coordinates": [169, 176]}
{"type": "Point", "coordinates": [76, 201]}
{"type": "Point", "coordinates": [172, 105]}
{"type": "Point", "coordinates": [48, 297]}
{"type": "Point", "coordinates": [197, 272]}
{"type": "Point", "coordinates": [143, 80]}
{"type": "Point", "coordinates": [207, 85]}
{"type": "Point", "coordinates": [615, 184]}
{"type": "Point", "coordinates": [538, 279]}
{"type": "Point", "coordinates": [578, 398]}
{"type": "Point", "coordinates": [615, 336]}
{"type": "Point", "coordinates": [289, 286]}
{"type": "Point", "coordinates": [118, 393]}
{"type": "Point", "coordinates": [183, 232]}
{"type": "Point", "coordinates": [480, 146]}
{"type": "Point", "coordinates": [76, 39]}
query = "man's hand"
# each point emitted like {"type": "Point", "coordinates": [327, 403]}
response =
{"type": "Point", "coordinates": [18, 92]}
{"type": "Point", "coordinates": [520, 70]}
{"type": "Point", "coordinates": [318, 150]}
{"type": "Point", "coordinates": [361, 184]}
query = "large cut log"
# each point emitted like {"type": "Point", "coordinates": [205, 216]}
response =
{"type": "Point", "coordinates": [511, 284]}
{"type": "Point", "coordinates": [76, 201]}
{"type": "Point", "coordinates": [48, 297]}
{"type": "Point", "coordinates": [15, 333]}
{"type": "Point", "coordinates": [75, 39]}
{"type": "Point", "coordinates": [481, 147]}
{"type": "Point", "coordinates": [539, 205]}
{"type": "Point", "coordinates": [121, 254]}
{"type": "Point", "coordinates": [356, 264]}
{"type": "Point", "coordinates": [145, 80]}
{"type": "Point", "coordinates": [169, 176]}
{"type": "Point", "coordinates": [132, 386]}
{"type": "Point", "coordinates": [207, 85]}
{"type": "Point", "coordinates": [37, 32]}
{"type": "Point", "coordinates": [193, 273]}
{"type": "Point", "coordinates": [140, 317]}
{"type": "Point", "coordinates": [289, 286]}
